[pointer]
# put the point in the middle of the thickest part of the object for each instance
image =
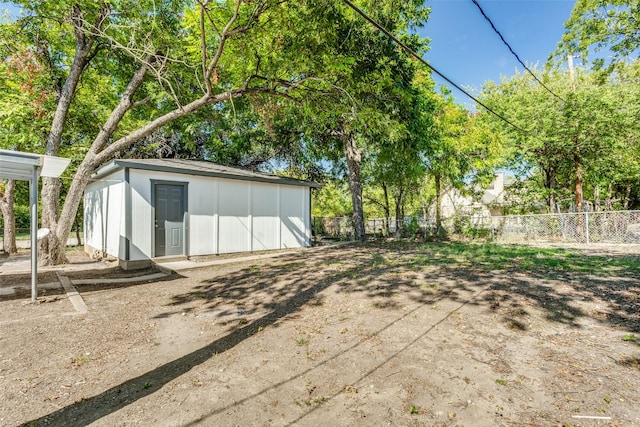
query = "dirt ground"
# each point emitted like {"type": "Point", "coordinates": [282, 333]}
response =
{"type": "Point", "coordinates": [403, 334]}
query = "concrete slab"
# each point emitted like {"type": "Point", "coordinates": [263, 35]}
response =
{"type": "Point", "coordinates": [72, 293]}
{"type": "Point", "coordinates": [7, 291]}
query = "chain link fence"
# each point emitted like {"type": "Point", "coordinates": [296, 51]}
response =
{"type": "Point", "coordinates": [587, 227]}
{"type": "Point", "coordinates": [23, 238]}
{"type": "Point", "coordinates": [342, 227]}
{"type": "Point", "coordinates": [583, 227]}
{"type": "Point", "coordinates": [332, 227]}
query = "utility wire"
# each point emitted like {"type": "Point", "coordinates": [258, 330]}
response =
{"type": "Point", "coordinates": [419, 58]}
{"type": "Point", "coordinates": [512, 51]}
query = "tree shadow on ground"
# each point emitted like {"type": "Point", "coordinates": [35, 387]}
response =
{"type": "Point", "coordinates": [504, 280]}
{"type": "Point", "coordinates": [89, 410]}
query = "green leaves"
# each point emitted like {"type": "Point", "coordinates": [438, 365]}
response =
{"type": "Point", "coordinates": [595, 129]}
{"type": "Point", "coordinates": [601, 25]}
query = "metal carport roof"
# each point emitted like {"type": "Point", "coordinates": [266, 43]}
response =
{"type": "Point", "coordinates": [28, 167]}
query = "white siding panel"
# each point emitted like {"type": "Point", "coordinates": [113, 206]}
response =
{"type": "Point", "coordinates": [141, 216]}
{"type": "Point", "coordinates": [306, 208]}
{"type": "Point", "coordinates": [264, 203]}
{"type": "Point", "coordinates": [233, 216]}
{"type": "Point", "coordinates": [93, 216]}
{"type": "Point", "coordinates": [292, 216]}
{"type": "Point", "coordinates": [201, 209]}
{"type": "Point", "coordinates": [104, 214]}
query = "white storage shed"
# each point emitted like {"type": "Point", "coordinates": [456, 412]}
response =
{"type": "Point", "coordinates": [138, 210]}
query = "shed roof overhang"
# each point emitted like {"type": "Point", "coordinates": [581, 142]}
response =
{"type": "Point", "coordinates": [199, 168]}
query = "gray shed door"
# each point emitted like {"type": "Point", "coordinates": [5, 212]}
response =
{"type": "Point", "coordinates": [169, 220]}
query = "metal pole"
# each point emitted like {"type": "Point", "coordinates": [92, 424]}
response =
{"type": "Point", "coordinates": [571, 72]}
{"type": "Point", "coordinates": [586, 220]}
{"type": "Point", "coordinates": [33, 191]}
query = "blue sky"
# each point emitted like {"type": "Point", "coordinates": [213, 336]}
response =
{"type": "Point", "coordinates": [465, 48]}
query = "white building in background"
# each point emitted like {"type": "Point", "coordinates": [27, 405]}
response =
{"type": "Point", "coordinates": [487, 204]}
{"type": "Point", "coordinates": [139, 210]}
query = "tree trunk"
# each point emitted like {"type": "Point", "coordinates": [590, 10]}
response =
{"type": "Point", "coordinates": [438, 188]}
{"type": "Point", "coordinates": [550, 183]}
{"type": "Point", "coordinates": [98, 153]}
{"type": "Point", "coordinates": [6, 205]}
{"type": "Point", "coordinates": [627, 198]}
{"type": "Point", "coordinates": [609, 201]}
{"type": "Point", "coordinates": [58, 237]}
{"type": "Point", "coordinates": [387, 209]}
{"type": "Point", "coordinates": [50, 196]}
{"type": "Point", "coordinates": [354, 159]}
{"type": "Point", "coordinates": [399, 212]}
{"type": "Point", "coordinates": [50, 199]}
{"type": "Point", "coordinates": [580, 222]}
{"type": "Point", "coordinates": [579, 177]}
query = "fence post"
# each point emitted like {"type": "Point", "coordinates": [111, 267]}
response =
{"type": "Point", "coordinates": [493, 237]}
{"type": "Point", "coordinates": [586, 220]}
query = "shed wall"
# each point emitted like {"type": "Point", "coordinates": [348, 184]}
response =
{"type": "Point", "coordinates": [104, 214]}
{"type": "Point", "coordinates": [234, 216]}
{"type": "Point", "coordinates": [223, 215]}
{"type": "Point", "coordinates": [141, 215]}
{"type": "Point", "coordinates": [201, 207]}
{"type": "Point", "coordinates": [265, 216]}
{"type": "Point", "coordinates": [294, 217]}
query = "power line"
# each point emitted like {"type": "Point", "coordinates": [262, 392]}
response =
{"type": "Point", "coordinates": [512, 51]}
{"type": "Point", "coordinates": [419, 58]}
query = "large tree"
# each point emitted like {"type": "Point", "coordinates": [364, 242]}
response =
{"type": "Point", "coordinates": [165, 62]}
{"type": "Point", "coordinates": [360, 98]}
{"type": "Point", "coordinates": [363, 113]}
{"type": "Point", "coordinates": [570, 141]}
{"type": "Point", "coordinates": [399, 165]}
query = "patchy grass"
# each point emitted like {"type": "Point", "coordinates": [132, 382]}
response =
{"type": "Point", "coordinates": [512, 257]}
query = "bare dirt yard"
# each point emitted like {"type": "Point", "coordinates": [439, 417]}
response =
{"type": "Point", "coordinates": [384, 333]}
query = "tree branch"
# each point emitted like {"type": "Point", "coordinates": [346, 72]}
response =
{"type": "Point", "coordinates": [125, 104]}
{"type": "Point", "coordinates": [223, 38]}
{"type": "Point", "coordinates": [203, 48]}
{"type": "Point", "coordinates": [81, 58]}
{"type": "Point", "coordinates": [375, 202]}
{"type": "Point", "coordinates": [141, 102]}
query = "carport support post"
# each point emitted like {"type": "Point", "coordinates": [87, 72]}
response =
{"type": "Point", "coordinates": [33, 192]}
